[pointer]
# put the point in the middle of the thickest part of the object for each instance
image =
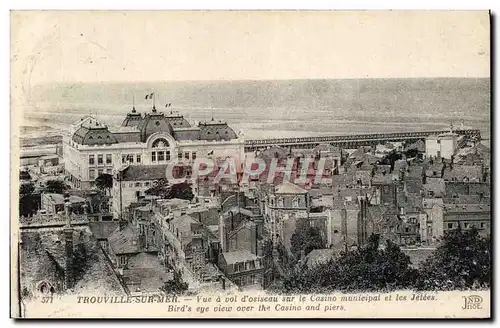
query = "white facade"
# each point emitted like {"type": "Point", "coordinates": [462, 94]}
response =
{"type": "Point", "coordinates": [85, 161]}
{"type": "Point", "coordinates": [443, 145]}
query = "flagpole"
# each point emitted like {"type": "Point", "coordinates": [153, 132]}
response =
{"type": "Point", "coordinates": [154, 98]}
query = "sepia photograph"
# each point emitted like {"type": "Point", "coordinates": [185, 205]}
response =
{"type": "Point", "coordinates": [250, 164]}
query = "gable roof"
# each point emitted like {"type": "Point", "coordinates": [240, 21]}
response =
{"type": "Point", "coordinates": [125, 241]}
{"type": "Point", "coordinates": [461, 172]}
{"type": "Point", "coordinates": [239, 256]}
{"type": "Point", "coordinates": [289, 188]}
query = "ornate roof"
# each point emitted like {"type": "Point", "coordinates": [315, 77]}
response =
{"type": "Point", "coordinates": [177, 121]}
{"type": "Point", "coordinates": [92, 132]}
{"type": "Point", "coordinates": [216, 130]}
{"type": "Point", "coordinates": [133, 118]}
{"type": "Point", "coordinates": [152, 123]}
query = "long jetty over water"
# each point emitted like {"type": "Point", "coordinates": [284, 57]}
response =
{"type": "Point", "coordinates": [351, 141]}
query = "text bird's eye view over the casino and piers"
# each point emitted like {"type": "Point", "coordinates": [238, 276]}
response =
{"type": "Point", "coordinates": [166, 154]}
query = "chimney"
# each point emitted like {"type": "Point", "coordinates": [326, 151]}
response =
{"type": "Point", "coordinates": [343, 221]}
{"type": "Point", "coordinates": [396, 195]}
{"type": "Point", "coordinates": [362, 221]}
{"type": "Point", "coordinates": [254, 238]}
{"type": "Point", "coordinates": [222, 232]}
{"type": "Point", "coordinates": [223, 280]}
{"type": "Point", "coordinates": [67, 211]}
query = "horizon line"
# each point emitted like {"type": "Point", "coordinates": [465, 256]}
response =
{"type": "Point", "coordinates": [265, 80]}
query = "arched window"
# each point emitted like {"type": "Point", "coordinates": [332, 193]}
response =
{"type": "Point", "coordinates": [160, 143]}
{"type": "Point", "coordinates": [280, 202]}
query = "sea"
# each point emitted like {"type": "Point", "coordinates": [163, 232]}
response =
{"type": "Point", "coordinates": [272, 108]}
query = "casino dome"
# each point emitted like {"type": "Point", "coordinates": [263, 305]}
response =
{"type": "Point", "coordinates": [153, 123]}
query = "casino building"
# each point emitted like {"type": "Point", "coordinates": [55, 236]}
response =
{"type": "Point", "coordinates": [153, 138]}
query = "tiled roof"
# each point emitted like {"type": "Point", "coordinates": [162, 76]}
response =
{"type": "Point", "coordinates": [437, 186]}
{"type": "Point", "coordinates": [466, 208]}
{"type": "Point", "coordinates": [103, 229]}
{"type": "Point", "coordinates": [414, 186]}
{"type": "Point", "coordinates": [466, 199]}
{"type": "Point", "coordinates": [434, 168]}
{"type": "Point", "coordinates": [239, 256]}
{"type": "Point", "coordinates": [59, 198]}
{"type": "Point", "coordinates": [380, 178]}
{"type": "Point", "coordinates": [328, 148]}
{"type": "Point", "coordinates": [44, 248]}
{"type": "Point", "coordinates": [400, 165]}
{"type": "Point", "coordinates": [289, 188]}
{"type": "Point", "coordinates": [144, 172]}
{"type": "Point", "coordinates": [461, 172]}
{"type": "Point", "coordinates": [364, 176]}
{"type": "Point", "coordinates": [125, 241]}
{"type": "Point", "coordinates": [415, 171]}
{"type": "Point", "coordinates": [419, 145]}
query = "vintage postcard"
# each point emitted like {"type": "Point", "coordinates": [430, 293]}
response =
{"type": "Point", "coordinates": [250, 164]}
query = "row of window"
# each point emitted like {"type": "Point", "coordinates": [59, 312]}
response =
{"type": "Point", "coordinates": [129, 158]}
{"type": "Point", "coordinates": [280, 202]}
{"type": "Point", "coordinates": [139, 184]}
{"type": "Point", "coordinates": [248, 280]}
{"type": "Point", "coordinates": [467, 225]}
{"type": "Point", "coordinates": [245, 266]}
{"type": "Point", "coordinates": [92, 173]}
{"type": "Point", "coordinates": [156, 156]}
{"type": "Point", "coordinates": [146, 184]}
{"type": "Point", "coordinates": [160, 156]}
{"type": "Point", "coordinates": [101, 158]}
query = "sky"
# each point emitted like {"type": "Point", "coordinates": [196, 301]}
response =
{"type": "Point", "coordinates": [93, 46]}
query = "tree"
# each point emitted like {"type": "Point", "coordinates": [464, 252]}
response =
{"type": "Point", "coordinates": [164, 190]}
{"type": "Point", "coordinates": [367, 268]}
{"type": "Point", "coordinates": [26, 188]}
{"type": "Point", "coordinates": [182, 191]}
{"type": "Point", "coordinates": [463, 261]}
{"type": "Point", "coordinates": [306, 238]}
{"type": "Point", "coordinates": [104, 182]}
{"type": "Point", "coordinates": [372, 268]}
{"type": "Point", "coordinates": [161, 188]}
{"type": "Point", "coordinates": [29, 201]}
{"type": "Point", "coordinates": [24, 175]}
{"type": "Point", "coordinates": [176, 285]}
{"type": "Point", "coordinates": [55, 186]}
